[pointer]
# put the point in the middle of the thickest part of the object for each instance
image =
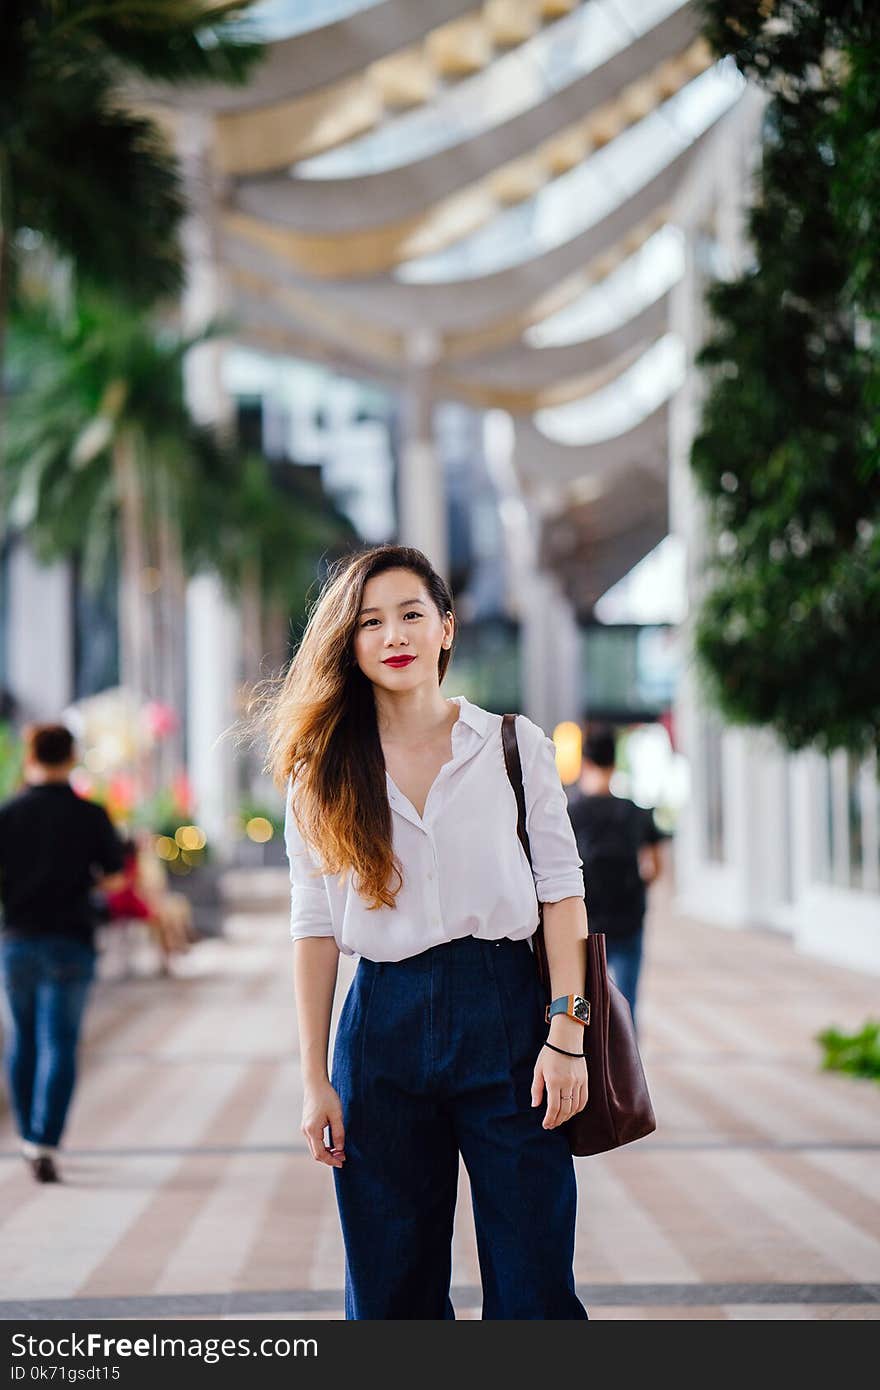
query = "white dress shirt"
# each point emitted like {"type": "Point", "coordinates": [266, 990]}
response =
{"type": "Point", "coordinates": [465, 872]}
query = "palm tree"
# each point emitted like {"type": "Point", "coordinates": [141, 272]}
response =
{"type": "Point", "coordinates": [103, 458]}
{"type": "Point", "coordinates": [79, 168]}
{"type": "Point", "coordinates": [266, 527]}
{"type": "Point", "coordinates": [101, 448]}
{"type": "Point", "coordinates": [262, 525]}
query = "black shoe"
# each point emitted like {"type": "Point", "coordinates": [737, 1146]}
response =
{"type": "Point", "coordinates": [44, 1170]}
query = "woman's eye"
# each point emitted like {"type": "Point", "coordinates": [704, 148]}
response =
{"type": "Point", "coordinates": [411, 614]}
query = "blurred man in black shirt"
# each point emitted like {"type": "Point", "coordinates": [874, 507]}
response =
{"type": "Point", "coordinates": [54, 849]}
{"type": "Point", "coordinates": [618, 842]}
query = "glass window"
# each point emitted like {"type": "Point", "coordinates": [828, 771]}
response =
{"type": "Point", "coordinates": [869, 823]}
{"type": "Point", "coordinates": [713, 789]}
{"type": "Point", "coordinates": [854, 819]}
{"type": "Point", "coordinates": [875, 788]}
{"type": "Point", "coordinates": [96, 630]}
{"type": "Point", "coordinates": [847, 822]}
{"type": "Point", "coordinates": [785, 845]}
{"type": "Point", "coordinates": [839, 818]}
{"type": "Point", "coordinates": [823, 823]}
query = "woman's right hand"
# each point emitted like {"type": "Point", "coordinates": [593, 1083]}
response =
{"type": "Point", "coordinates": [322, 1107]}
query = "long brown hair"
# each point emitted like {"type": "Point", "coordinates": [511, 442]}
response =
{"type": "Point", "coordinates": [319, 719]}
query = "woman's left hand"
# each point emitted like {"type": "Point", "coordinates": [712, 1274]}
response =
{"type": "Point", "coordinates": [565, 1082]}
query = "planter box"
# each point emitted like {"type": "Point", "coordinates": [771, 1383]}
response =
{"type": "Point", "coordinates": [201, 888]}
{"type": "Point", "coordinates": [249, 855]}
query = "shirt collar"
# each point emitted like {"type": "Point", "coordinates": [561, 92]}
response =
{"type": "Point", "coordinates": [475, 717]}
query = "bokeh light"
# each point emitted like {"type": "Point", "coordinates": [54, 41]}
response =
{"type": "Point", "coordinates": [259, 829]}
{"type": "Point", "coordinates": [190, 837]}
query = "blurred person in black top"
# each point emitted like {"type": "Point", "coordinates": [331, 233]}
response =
{"type": "Point", "coordinates": [55, 848]}
{"type": "Point", "coordinates": [618, 842]}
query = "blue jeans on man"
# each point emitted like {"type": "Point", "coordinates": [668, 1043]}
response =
{"type": "Point", "coordinates": [46, 984]}
{"type": "Point", "coordinates": [624, 957]}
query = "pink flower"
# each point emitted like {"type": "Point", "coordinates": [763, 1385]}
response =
{"type": "Point", "coordinates": [159, 719]}
{"type": "Point", "coordinates": [182, 793]}
{"type": "Point", "coordinates": [121, 793]}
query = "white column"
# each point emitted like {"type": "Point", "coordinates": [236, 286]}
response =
{"type": "Point", "coordinates": [213, 623]}
{"type": "Point", "coordinates": [212, 679]}
{"type": "Point", "coordinates": [40, 637]}
{"type": "Point", "coordinates": [550, 646]}
{"type": "Point", "coordinates": [712, 198]}
{"type": "Point", "coordinates": [421, 495]}
{"type": "Point", "coordinates": [765, 831]}
{"type": "Point", "coordinates": [550, 640]}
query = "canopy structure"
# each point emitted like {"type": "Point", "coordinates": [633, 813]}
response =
{"type": "Point", "coordinates": [478, 202]}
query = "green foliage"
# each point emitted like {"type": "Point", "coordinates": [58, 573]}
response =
{"type": "Point", "coordinates": [76, 166]}
{"type": "Point", "coordinates": [856, 1053]}
{"type": "Point", "coordinates": [249, 810]}
{"type": "Point", "coordinates": [855, 190]}
{"type": "Point", "coordinates": [82, 381]}
{"type": "Point", "coordinates": [250, 518]}
{"type": "Point", "coordinates": [160, 813]}
{"type": "Point", "coordinates": [11, 761]}
{"type": "Point", "coordinates": [88, 377]}
{"type": "Point", "coordinates": [788, 455]}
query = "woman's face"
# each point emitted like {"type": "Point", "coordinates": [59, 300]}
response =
{"type": "Point", "coordinates": [399, 620]}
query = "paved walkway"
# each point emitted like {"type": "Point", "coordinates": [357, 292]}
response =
{"type": "Point", "coordinates": [189, 1192]}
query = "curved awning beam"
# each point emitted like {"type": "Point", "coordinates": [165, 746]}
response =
{"type": "Point", "coordinates": [543, 464]}
{"type": "Point", "coordinates": [468, 305]}
{"type": "Point", "coordinates": [598, 562]}
{"type": "Point", "coordinates": [305, 335]}
{"type": "Point", "coordinates": [374, 200]}
{"type": "Point", "coordinates": [523, 368]}
{"type": "Point", "coordinates": [292, 67]}
{"type": "Point", "coordinates": [499, 354]}
{"type": "Point", "coordinates": [641, 113]}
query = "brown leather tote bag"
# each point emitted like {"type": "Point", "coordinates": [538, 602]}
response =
{"type": "Point", "coordinates": [618, 1108]}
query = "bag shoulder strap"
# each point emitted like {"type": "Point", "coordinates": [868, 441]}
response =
{"type": "Point", "coordinates": [513, 764]}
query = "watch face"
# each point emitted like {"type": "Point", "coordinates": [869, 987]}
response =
{"type": "Point", "coordinates": [581, 1008]}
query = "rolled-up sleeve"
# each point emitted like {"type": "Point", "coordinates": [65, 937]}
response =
{"type": "Point", "coordinates": [309, 901]}
{"type": "Point", "coordinates": [556, 864]}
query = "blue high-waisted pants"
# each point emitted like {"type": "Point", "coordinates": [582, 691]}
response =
{"type": "Point", "coordinates": [434, 1056]}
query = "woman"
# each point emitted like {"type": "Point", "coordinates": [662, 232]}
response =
{"type": "Point", "coordinates": [145, 897]}
{"type": "Point", "coordinates": [403, 849]}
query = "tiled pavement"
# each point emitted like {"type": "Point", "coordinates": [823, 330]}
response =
{"type": "Point", "coordinates": [189, 1192]}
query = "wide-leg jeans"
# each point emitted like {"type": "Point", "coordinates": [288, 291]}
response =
{"type": "Point", "coordinates": [434, 1057]}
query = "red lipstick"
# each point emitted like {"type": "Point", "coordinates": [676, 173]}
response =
{"type": "Point", "coordinates": [397, 660]}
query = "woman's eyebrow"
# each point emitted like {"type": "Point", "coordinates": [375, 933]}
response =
{"type": "Point", "coordinates": [404, 602]}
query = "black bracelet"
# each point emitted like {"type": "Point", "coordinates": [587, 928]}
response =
{"type": "Point", "coordinates": [554, 1048]}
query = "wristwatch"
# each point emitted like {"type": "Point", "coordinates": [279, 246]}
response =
{"type": "Point", "coordinates": [572, 1005]}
